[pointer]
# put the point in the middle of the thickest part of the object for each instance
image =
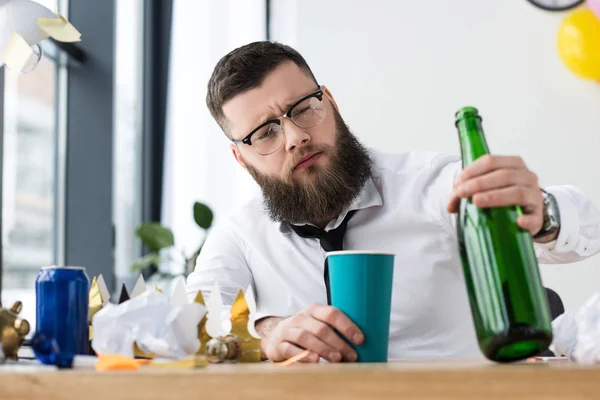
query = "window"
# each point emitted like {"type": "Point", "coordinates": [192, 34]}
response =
{"type": "Point", "coordinates": [75, 142]}
{"type": "Point", "coordinates": [127, 142]}
{"type": "Point", "coordinates": [29, 179]}
{"type": "Point", "coordinates": [57, 158]}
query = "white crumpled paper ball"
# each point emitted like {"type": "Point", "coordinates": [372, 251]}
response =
{"type": "Point", "coordinates": [153, 322]}
{"type": "Point", "coordinates": [578, 337]}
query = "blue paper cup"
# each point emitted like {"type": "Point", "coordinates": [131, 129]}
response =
{"type": "Point", "coordinates": [361, 287]}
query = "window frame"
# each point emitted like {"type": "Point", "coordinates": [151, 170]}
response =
{"type": "Point", "coordinates": [156, 56]}
{"type": "Point", "coordinates": [1, 176]}
{"type": "Point", "coordinates": [88, 218]}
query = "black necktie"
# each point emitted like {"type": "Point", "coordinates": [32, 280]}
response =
{"type": "Point", "coordinates": [330, 241]}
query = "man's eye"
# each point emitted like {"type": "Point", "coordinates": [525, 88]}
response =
{"type": "Point", "coordinates": [266, 134]}
{"type": "Point", "coordinates": [303, 110]}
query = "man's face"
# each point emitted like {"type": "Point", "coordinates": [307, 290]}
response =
{"type": "Point", "coordinates": [317, 171]}
{"type": "Point", "coordinates": [280, 90]}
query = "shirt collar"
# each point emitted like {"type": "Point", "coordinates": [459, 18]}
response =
{"type": "Point", "coordinates": [369, 196]}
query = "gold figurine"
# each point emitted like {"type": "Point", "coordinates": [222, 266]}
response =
{"type": "Point", "coordinates": [12, 330]}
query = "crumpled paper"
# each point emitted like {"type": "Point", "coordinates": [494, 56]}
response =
{"type": "Point", "coordinates": [577, 336]}
{"type": "Point", "coordinates": [151, 320]}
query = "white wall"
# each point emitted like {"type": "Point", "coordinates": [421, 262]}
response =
{"type": "Point", "coordinates": [400, 69]}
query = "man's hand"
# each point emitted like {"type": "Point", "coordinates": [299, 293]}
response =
{"type": "Point", "coordinates": [495, 181]}
{"type": "Point", "coordinates": [312, 329]}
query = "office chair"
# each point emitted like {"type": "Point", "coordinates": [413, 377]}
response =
{"type": "Point", "coordinates": [556, 305]}
{"type": "Point", "coordinates": [556, 308]}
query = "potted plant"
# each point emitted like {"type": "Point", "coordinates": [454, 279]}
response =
{"type": "Point", "coordinates": [157, 238]}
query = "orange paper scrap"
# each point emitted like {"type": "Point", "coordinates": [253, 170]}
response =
{"type": "Point", "coordinates": [295, 359]}
{"type": "Point", "coordinates": [116, 362]}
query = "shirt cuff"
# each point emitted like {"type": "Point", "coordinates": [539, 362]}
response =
{"type": "Point", "coordinates": [260, 315]}
{"type": "Point", "coordinates": [569, 224]}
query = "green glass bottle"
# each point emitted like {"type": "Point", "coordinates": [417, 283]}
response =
{"type": "Point", "coordinates": [508, 302]}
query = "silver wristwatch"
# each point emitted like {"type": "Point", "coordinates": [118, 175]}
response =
{"type": "Point", "coordinates": [551, 223]}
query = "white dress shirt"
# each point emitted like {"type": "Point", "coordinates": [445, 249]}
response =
{"type": "Point", "coordinates": [402, 209]}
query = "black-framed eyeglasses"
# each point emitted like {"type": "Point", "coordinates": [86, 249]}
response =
{"type": "Point", "coordinates": [267, 138]}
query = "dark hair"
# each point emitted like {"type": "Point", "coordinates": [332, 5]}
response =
{"type": "Point", "coordinates": [246, 68]}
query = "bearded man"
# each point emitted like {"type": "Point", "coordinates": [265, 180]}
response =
{"type": "Point", "coordinates": [286, 130]}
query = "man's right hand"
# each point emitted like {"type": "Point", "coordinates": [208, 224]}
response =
{"type": "Point", "coordinates": [312, 329]}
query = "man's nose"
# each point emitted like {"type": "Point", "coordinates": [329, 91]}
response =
{"type": "Point", "coordinates": [295, 137]}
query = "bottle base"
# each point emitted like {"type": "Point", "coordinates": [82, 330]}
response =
{"type": "Point", "coordinates": [517, 343]}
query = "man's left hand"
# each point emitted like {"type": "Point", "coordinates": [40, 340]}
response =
{"type": "Point", "coordinates": [496, 181]}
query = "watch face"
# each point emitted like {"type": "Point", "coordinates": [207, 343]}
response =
{"type": "Point", "coordinates": [551, 223]}
{"type": "Point", "coordinates": [556, 5]}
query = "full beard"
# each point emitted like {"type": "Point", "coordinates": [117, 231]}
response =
{"type": "Point", "coordinates": [330, 189]}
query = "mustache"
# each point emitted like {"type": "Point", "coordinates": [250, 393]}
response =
{"type": "Point", "coordinates": [309, 148]}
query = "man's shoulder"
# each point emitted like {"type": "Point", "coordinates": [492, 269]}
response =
{"type": "Point", "coordinates": [247, 214]}
{"type": "Point", "coordinates": [418, 161]}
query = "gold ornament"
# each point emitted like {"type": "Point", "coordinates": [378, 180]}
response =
{"type": "Point", "coordinates": [12, 330]}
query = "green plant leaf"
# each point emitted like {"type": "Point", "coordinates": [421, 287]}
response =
{"type": "Point", "coordinates": [155, 236]}
{"type": "Point", "coordinates": [203, 215]}
{"type": "Point", "coordinates": [152, 258]}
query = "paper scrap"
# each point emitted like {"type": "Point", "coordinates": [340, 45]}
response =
{"type": "Point", "coordinates": [104, 293]}
{"type": "Point", "coordinates": [16, 53]}
{"type": "Point", "coordinates": [20, 16]}
{"type": "Point", "coordinates": [124, 294]}
{"type": "Point", "coordinates": [59, 29]}
{"type": "Point", "coordinates": [116, 362]}
{"type": "Point", "coordinates": [178, 296]}
{"type": "Point", "coordinates": [294, 359]}
{"type": "Point", "coordinates": [193, 362]}
{"type": "Point", "coordinates": [538, 359]}
{"type": "Point", "coordinates": [214, 322]}
{"type": "Point", "coordinates": [139, 288]}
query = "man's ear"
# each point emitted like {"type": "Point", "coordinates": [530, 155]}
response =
{"type": "Point", "coordinates": [238, 157]}
{"type": "Point", "coordinates": [329, 96]}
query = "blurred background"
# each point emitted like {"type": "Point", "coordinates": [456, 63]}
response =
{"type": "Point", "coordinates": [91, 150]}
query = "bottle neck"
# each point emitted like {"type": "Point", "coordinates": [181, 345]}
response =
{"type": "Point", "coordinates": [472, 139]}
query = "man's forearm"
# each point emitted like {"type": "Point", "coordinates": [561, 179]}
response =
{"type": "Point", "coordinates": [263, 327]}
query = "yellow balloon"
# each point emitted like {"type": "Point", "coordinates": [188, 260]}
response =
{"type": "Point", "coordinates": [579, 43]}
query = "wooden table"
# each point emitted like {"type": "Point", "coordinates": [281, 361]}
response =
{"type": "Point", "coordinates": [447, 379]}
